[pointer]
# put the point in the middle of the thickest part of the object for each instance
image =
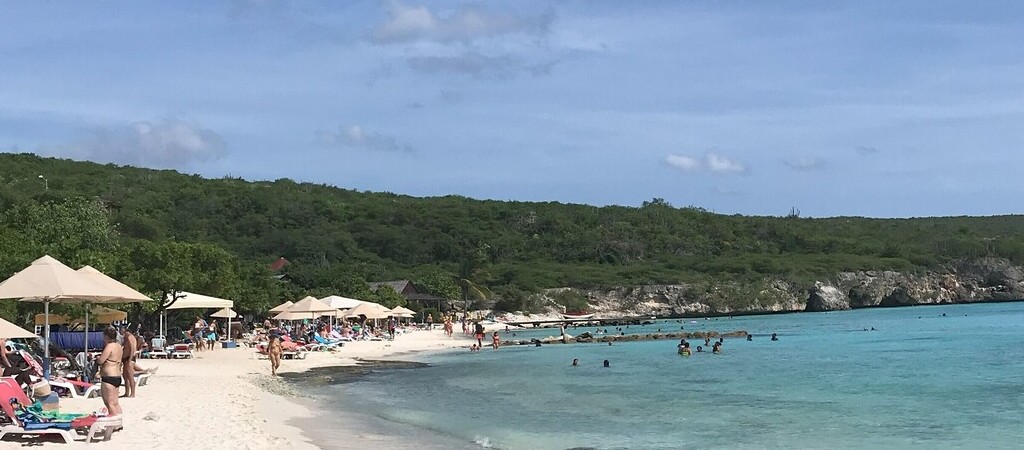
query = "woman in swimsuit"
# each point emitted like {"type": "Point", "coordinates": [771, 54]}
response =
{"type": "Point", "coordinates": [274, 352]}
{"type": "Point", "coordinates": [495, 340]}
{"type": "Point", "coordinates": [109, 363]}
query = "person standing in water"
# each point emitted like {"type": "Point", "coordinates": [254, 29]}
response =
{"type": "Point", "coordinates": [478, 329]}
{"type": "Point", "coordinates": [109, 363]}
{"type": "Point", "coordinates": [495, 340]}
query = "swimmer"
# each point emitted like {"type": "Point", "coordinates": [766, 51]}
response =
{"type": "Point", "coordinates": [750, 337]}
{"type": "Point", "coordinates": [575, 362]}
{"type": "Point", "coordinates": [609, 343]}
{"type": "Point", "coordinates": [775, 337]}
{"type": "Point", "coordinates": [717, 348]}
{"type": "Point", "coordinates": [700, 349]}
{"type": "Point", "coordinates": [606, 363]}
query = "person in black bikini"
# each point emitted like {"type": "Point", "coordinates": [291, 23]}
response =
{"type": "Point", "coordinates": [109, 363]}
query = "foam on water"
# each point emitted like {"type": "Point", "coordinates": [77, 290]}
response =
{"type": "Point", "coordinates": [922, 380]}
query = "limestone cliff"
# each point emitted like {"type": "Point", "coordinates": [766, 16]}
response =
{"type": "Point", "coordinates": [980, 280]}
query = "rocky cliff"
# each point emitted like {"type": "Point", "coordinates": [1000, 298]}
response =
{"type": "Point", "coordinates": [980, 280]}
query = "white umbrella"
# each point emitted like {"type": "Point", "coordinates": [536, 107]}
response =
{"type": "Point", "coordinates": [47, 280]}
{"type": "Point", "coordinates": [189, 300]}
{"type": "Point", "coordinates": [125, 292]}
{"type": "Point", "coordinates": [339, 302]}
{"type": "Point", "coordinates": [10, 331]}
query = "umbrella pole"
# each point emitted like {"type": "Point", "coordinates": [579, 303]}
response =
{"type": "Point", "coordinates": [87, 374]}
{"type": "Point", "coordinates": [46, 339]}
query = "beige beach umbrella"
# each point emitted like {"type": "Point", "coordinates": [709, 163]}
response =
{"type": "Point", "coordinates": [288, 315]}
{"type": "Point", "coordinates": [126, 294]}
{"type": "Point", "coordinates": [311, 307]}
{"type": "Point", "coordinates": [403, 311]}
{"type": "Point", "coordinates": [282, 307]}
{"type": "Point", "coordinates": [11, 331]}
{"type": "Point", "coordinates": [47, 281]}
{"type": "Point", "coordinates": [226, 313]}
{"type": "Point", "coordinates": [370, 311]}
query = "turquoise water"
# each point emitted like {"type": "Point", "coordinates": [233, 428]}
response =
{"type": "Point", "coordinates": [921, 380]}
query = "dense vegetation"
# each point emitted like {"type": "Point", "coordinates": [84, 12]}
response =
{"type": "Point", "coordinates": [224, 232]}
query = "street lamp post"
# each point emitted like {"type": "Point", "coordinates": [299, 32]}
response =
{"type": "Point", "coordinates": [46, 183]}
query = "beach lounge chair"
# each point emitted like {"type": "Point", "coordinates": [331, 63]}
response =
{"type": "Point", "coordinates": [10, 391]}
{"type": "Point", "coordinates": [75, 388]}
{"type": "Point", "coordinates": [65, 428]}
{"type": "Point", "coordinates": [158, 349]}
{"type": "Point", "coordinates": [327, 344]}
{"type": "Point", "coordinates": [181, 351]}
{"type": "Point", "coordinates": [103, 427]}
{"type": "Point", "coordinates": [294, 355]}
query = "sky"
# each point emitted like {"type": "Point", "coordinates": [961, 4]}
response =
{"type": "Point", "coordinates": [869, 108]}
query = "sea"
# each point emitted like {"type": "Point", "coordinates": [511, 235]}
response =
{"type": "Point", "coordinates": [926, 377]}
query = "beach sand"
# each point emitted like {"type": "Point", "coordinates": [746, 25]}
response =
{"type": "Point", "coordinates": [226, 397]}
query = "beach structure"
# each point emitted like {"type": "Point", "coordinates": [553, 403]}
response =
{"type": "Point", "coordinates": [103, 315]}
{"type": "Point", "coordinates": [411, 293]}
{"type": "Point", "coordinates": [48, 280]}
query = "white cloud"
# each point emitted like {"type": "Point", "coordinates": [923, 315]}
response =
{"type": "Point", "coordinates": [168, 143]}
{"type": "Point", "coordinates": [682, 162]}
{"type": "Point", "coordinates": [418, 23]}
{"type": "Point", "coordinates": [721, 164]}
{"type": "Point", "coordinates": [354, 136]}
{"type": "Point", "coordinates": [805, 163]}
{"type": "Point", "coordinates": [712, 162]}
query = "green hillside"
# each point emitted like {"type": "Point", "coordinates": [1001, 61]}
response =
{"type": "Point", "coordinates": [223, 232]}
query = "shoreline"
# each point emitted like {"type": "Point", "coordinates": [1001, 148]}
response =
{"type": "Point", "coordinates": [229, 395]}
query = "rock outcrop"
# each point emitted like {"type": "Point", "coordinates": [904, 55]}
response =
{"type": "Point", "coordinates": [978, 280]}
{"type": "Point", "coordinates": [823, 297]}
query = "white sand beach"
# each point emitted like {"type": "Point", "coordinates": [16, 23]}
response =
{"type": "Point", "coordinates": [225, 396]}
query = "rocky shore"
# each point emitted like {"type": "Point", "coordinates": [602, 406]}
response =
{"type": "Point", "coordinates": [971, 281]}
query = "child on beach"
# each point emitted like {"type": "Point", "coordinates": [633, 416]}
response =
{"type": "Point", "coordinates": [495, 340]}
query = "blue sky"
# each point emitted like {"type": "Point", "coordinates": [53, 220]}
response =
{"type": "Point", "coordinates": [875, 108]}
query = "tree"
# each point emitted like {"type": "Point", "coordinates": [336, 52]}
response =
{"type": "Point", "coordinates": [387, 296]}
{"type": "Point", "coordinates": [441, 284]}
{"type": "Point", "coordinates": [164, 270]}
